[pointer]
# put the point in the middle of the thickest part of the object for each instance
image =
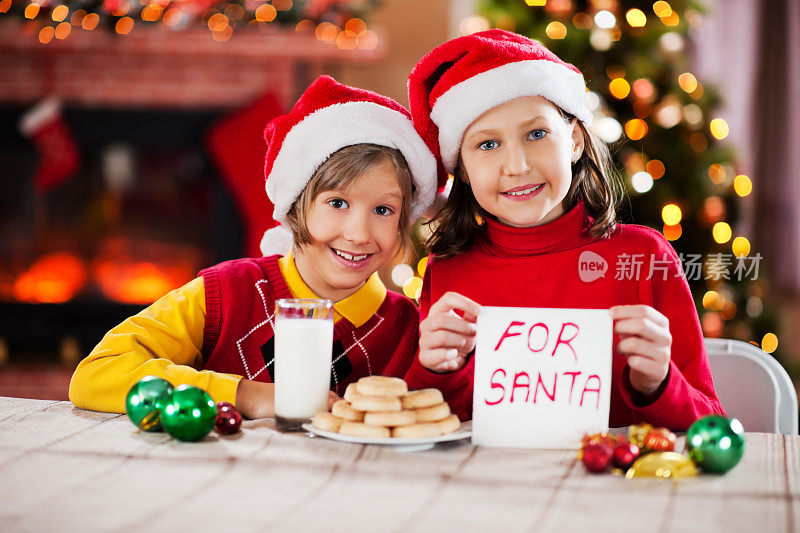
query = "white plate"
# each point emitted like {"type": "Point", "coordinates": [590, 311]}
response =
{"type": "Point", "coordinates": [406, 445]}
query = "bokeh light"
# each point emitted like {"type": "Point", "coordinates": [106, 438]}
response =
{"type": "Point", "coordinates": [671, 214]}
{"type": "Point", "coordinates": [672, 233]}
{"type": "Point", "coordinates": [722, 232]}
{"type": "Point", "coordinates": [635, 129]}
{"type": "Point", "coordinates": [719, 128]}
{"type": "Point", "coordinates": [740, 247]}
{"type": "Point", "coordinates": [742, 185]}
{"type": "Point", "coordinates": [688, 82]}
{"type": "Point", "coordinates": [556, 30]}
{"type": "Point", "coordinates": [769, 343]}
{"type": "Point", "coordinates": [619, 88]}
{"type": "Point", "coordinates": [636, 18]}
{"type": "Point", "coordinates": [655, 168]}
{"type": "Point", "coordinates": [642, 182]}
{"type": "Point", "coordinates": [266, 13]}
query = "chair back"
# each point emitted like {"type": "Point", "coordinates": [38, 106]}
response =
{"type": "Point", "coordinates": [753, 387]}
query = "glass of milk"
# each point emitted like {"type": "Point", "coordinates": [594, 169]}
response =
{"type": "Point", "coordinates": [303, 352]}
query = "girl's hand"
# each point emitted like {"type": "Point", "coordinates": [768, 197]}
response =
{"type": "Point", "coordinates": [646, 342]}
{"type": "Point", "coordinates": [447, 338]}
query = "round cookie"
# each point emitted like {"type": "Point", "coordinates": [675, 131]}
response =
{"type": "Point", "coordinates": [326, 422]}
{"type": "Point", "coordinates": [417, 431]}
{"type": "Point", "coordinates": [449, 424]}
{"type": "Point", "coordinates": [422, 398]}
{"type": "Point", "coordinates": [359, 402]}
{"type": "Point", "coordinates": [342, 409]}
{"type": "Point", "coordinates": [382, 386]}
{"type": "Point", "coordinates": [349, 391]}
{"type": "Point", "coordinates": [357, 429]}
{"type": "Point", "coordinates": [433, 413]}
{"type": "Point", "coordinates": [390, 419]}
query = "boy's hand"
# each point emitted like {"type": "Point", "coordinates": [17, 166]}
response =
{"type": "Point", "coordinates": [255, 399]}
{"type": "Point", "coordinates": [447, 338]}
{"type": "Point", "coordinates": [646, 342]}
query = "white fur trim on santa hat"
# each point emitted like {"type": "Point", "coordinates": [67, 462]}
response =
{"type": "Point", "coordinates": [456, 109]}
{"type": "Point", "coordinates": [312, 140]}
{"type": "Point", "coordinates": [277, 240]}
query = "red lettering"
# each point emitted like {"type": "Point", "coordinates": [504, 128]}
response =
{"type": "Point", "coordinates": [497, 386]}
{"type": "Point", "coordinates": [561, 340]}
{"type": "Point", "coordinates": [546, 335]}
{"type": "Point", "coordinates": [517, 384]}
{"type": "Point", "coordinates": [539, 381]}
{"type": "Point", "coordinates": [574, 375]}
{"type": "Point", "coordinates": [587, 389]}
{"type": "Point", "coordinates": [508, 333]}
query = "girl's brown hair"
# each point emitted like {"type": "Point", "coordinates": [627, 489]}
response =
{"type": "Point", "coordinates": [460, 220]}
{"type": "Point", "coordinates": [341, 170]}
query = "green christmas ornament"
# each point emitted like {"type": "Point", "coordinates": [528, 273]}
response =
{"type": "Point", "coordinates": [188, 414]}
{"type": "Point", "coordinates": [715, 443]}
{"type": "Point", "coordinates": [144, 400]}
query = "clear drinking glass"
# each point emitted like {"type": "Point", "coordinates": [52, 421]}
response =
{"type": "Point", "coordinates": [303, 352]}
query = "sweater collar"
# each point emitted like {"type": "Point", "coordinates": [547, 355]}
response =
{"type": "Point", "coordinates": [357, 308]}
{"type": "Point", "coordinates": [568, 231]}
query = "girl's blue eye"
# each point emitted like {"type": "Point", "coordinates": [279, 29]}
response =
{"type": "Point", "coordinates": [384, 210]}
{"type": "Point", "coordinates": [488, 145]}
{"type": "Point", "coordinates": [537, 134]}
{"type": "Point", "coordinates": [337, 203]}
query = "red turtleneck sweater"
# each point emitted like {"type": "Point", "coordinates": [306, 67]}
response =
{"type": "Point", "coordinates": [539, 267]}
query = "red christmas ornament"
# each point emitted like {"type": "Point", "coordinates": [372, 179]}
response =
{"type": "Point", "coordinates": [596, 457]}
{"type": "Point", "coordinates": [625, 453]}
{"type": "Point", "coordinates": [660, 440]}
{"type": "Point", "coordinates": [228, 419]}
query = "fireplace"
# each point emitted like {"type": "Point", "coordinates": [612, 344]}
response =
{"type": "Point", "coordinates": [144, 214]}
{"type": "Point", "coordinates": [148, 209]}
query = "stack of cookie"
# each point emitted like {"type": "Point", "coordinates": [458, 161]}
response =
{"type": "Point", "coordinates": [382, 407]}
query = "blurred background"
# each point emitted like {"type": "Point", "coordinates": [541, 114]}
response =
{"type": "Point", "coordinates": [131, 153]}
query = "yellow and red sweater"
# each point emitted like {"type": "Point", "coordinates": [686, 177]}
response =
{"type": "Point", "coordinates": [217, 329]}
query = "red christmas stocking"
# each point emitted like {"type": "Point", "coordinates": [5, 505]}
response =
{"type": "Point", "coordinates": [44, 124]}
{"type": "Point", "coordinates": [237, 147]}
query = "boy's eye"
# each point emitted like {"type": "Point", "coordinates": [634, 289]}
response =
{"type": "Point", "coordinates": [488, 145]}
{"type": "Point", "coordinates": [383, 210]}
{"type": "Point", "coordinates": [537, 134]}
{"type": "Point", "coordinates": [337, 203]}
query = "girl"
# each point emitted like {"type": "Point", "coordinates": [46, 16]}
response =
{"type": "Point", "coordinates": [532, 197]}
{"type": "Point", "coordinates": [347, 173]}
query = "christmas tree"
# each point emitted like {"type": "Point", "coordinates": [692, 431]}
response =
{"type": "Point", "coordinates": [667, 142]}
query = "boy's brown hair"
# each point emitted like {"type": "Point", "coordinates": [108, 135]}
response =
{"type": "Point", "coordinates": [460, 220]}
{"type": "Point", "coordinates": [341, 170]}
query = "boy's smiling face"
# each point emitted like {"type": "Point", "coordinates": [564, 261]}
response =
{"type": "Point", "coordinates": [353, 231]}
{"type": "Point", "coordinates": [517, 157]}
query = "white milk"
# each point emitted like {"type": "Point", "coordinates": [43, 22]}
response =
{"type": "Point", "coordinates": [303, 349]}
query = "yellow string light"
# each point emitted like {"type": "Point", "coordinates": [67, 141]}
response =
{"type": "Point", "coordinates": [719, 128]}
{"type": "Point", "coordinates": [636, 18]}
{"type": "Point", "coordinates": [635, 129]}
{"type": "Point", "coordinates": [671, 214]}
{"type": "Point", "coordinates": [740, 247]}
{"type": "Point", "coordinates": [742, 185]}
{"type": "Point", "coordinates": [619, 88]}
{"type": "Point", "coordinates": [769, 343]}
{"type": "Point", "coordinates": [722, 232]}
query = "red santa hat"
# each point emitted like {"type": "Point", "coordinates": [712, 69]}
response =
{"type": "Point", "coordinates": [463, 78]}
{"type": "Point", "coordinates": [328, 117]}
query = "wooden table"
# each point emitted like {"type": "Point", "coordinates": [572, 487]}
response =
{"type": "Point", "coordinates": [64, 469]}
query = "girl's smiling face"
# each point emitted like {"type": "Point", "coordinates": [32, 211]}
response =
{"type": "Point", "coordinates": [354, 232]}
{"type": "Point", "coordinates": [518, 160]}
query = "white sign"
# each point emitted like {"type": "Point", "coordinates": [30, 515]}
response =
{"type": "Point", "coordinates": [542, 376]}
